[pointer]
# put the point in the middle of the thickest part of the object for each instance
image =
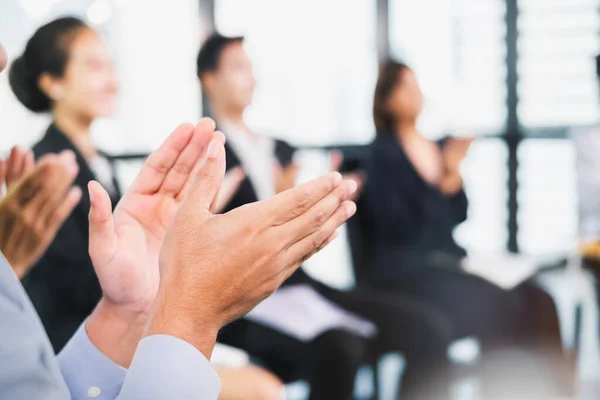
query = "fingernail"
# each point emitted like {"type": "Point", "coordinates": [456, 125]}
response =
{"type": "Point", "coordinates": [213, 149]}
{"type": "Point", "coordinates": [352, 186]}
{"type": "Point", "coordinates": [350, 209]}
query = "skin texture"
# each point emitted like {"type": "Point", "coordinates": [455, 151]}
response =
{"type": "Point", "coordinates": [212, 268]}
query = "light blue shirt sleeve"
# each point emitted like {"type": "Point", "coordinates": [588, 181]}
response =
{"type": "Point", "coordinates": [163, 367]}
{"type": "Point", "coordinates": [89, 374]}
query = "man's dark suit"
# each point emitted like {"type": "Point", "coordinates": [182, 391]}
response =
{"type": "Point", "coordinates": [63, 286]}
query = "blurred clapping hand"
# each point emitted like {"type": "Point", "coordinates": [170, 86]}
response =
{"type": "Point", "coordinates": [359, 177]}
{"type": "Point", "coordinates": [453, 154]}
{"type": "Point", "coordinates": [38, 199]}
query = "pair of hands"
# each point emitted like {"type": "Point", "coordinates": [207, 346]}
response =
{"type": "Point", "coordinates": [39, 198]}
{"type": "Point", "coordinates": [453, 154]}
{"type": "Point", "coordinates": [455, 151]}
{"type": "Point", "coordinates": [168, 265]}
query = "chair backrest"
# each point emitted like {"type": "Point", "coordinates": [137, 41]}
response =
{"type": "Point", "coordinates": [355, 159]}
{"type": "Point", "coordinates": [587, 149]}
{"type": "Point", "coordinates": [360, 245]}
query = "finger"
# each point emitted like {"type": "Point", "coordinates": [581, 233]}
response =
{"type": "Point", "coordinates": [294, 202]}
{"type": "Point", "coordinates": [231, 183]}
{"type": "Point", "coordinates": [205, 189]}
{"type": "Point", "coordinates": [28, 162]}
{"type": "Point", "coordinates": [29, 187]}
{"type": "Point", "coordinates": [159, 163]}
{"type": "Point", "coordinates": [2, 174]}
{"type": "Point", "coordinates": [61, 174]}
{"type": "Point", "coordinates": [194, 175]}
{"type": "Point", "coordinates": [311, 221]}
{"type": "Point", "coordinates": [103, 237]}
{"type": "Point", "coordinates": [312, 244]}
{"type": "Point", "coordinates": [335, 160]}
{"type": "Point", "coordinates": [180, 172]}
{"type": "Point", "coordinates": [359, 178]}
{"type": "Point", "coordinates": [14, 165]}
{"type": "Point", "coordinates": [62, 183]}
{"type": "Point", "coordinates": [290, 271]}
{"type": "Point", "coordinates": [61, 213]}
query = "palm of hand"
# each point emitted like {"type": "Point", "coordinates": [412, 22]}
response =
{"type": "Point", "coordinates": [140, 223]}
{"type": "Point", "coordinates": [125, 246]}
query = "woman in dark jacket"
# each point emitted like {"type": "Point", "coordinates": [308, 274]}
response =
{"type": "Point", "coordinates": [66, 69]}
{"type": "Point", "coordinates": [413, 201]}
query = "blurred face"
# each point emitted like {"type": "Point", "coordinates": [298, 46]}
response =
{"type": "Point", "coordinates": [406, 99]}
{"type": "Point", "coordinates": [3, 57]}
{"type": "Point", "coordinates": [232, 84]}
{"type": "Point", "coordinates": [89, 85]}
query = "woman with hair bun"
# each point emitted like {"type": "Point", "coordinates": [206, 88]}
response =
{"type": "Point", "coordinates": [67, 70]}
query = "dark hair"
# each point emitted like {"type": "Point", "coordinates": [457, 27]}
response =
{"type": "Point", "coordinates": [210, 52]}
{"type": "Point", "coordinates": [389, 76]}
{"type": "Point", "coordinates": [46, 52]}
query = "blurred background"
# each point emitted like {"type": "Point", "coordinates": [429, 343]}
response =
{"type": "Point", "coordinates": [518, 75]}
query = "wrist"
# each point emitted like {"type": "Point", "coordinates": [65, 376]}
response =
{"type": "Point", "coordinates": [115, 331]}
{"type": "Point", "coordinates": [185, 319]}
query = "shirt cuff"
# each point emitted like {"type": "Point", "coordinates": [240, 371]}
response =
{"type": "Point", "coordinates": [165, 367]}
{"type": "Point", "coordinates": [89, 374]}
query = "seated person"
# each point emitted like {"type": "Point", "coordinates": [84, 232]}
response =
{"type": "Point", "coordinates": [278, 331]}
{"type": "Point", "coordinates": [66, 70]}
{"type": "Point", "coordinates": [414, 199]}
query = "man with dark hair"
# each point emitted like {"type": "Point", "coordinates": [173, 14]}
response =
{"type": "Point", "coordinates": [306, 329]}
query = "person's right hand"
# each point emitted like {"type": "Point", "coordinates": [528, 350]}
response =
{"type": "Point", "coordinates": [35, 207]}
{"type": "Point", "coordinates": [216, 268]}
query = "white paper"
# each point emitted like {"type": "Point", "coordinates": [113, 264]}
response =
{"type": "Point", "coordinates": [304, 314]}
{"type": "Point", "coordinates": [504, 270]}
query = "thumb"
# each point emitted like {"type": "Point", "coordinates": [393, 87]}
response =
{"type": "Point", "coordinates": [103, 238]}
{"type": "Point", "coordinates": [210, 176]}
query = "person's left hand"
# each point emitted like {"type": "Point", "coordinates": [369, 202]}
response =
{"type": "Point", "coordinates": [125, 246]}
{"type": "Point", "coordinates": [38, 202]}
{"type": "Point", "coordinates": [336, 159]}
